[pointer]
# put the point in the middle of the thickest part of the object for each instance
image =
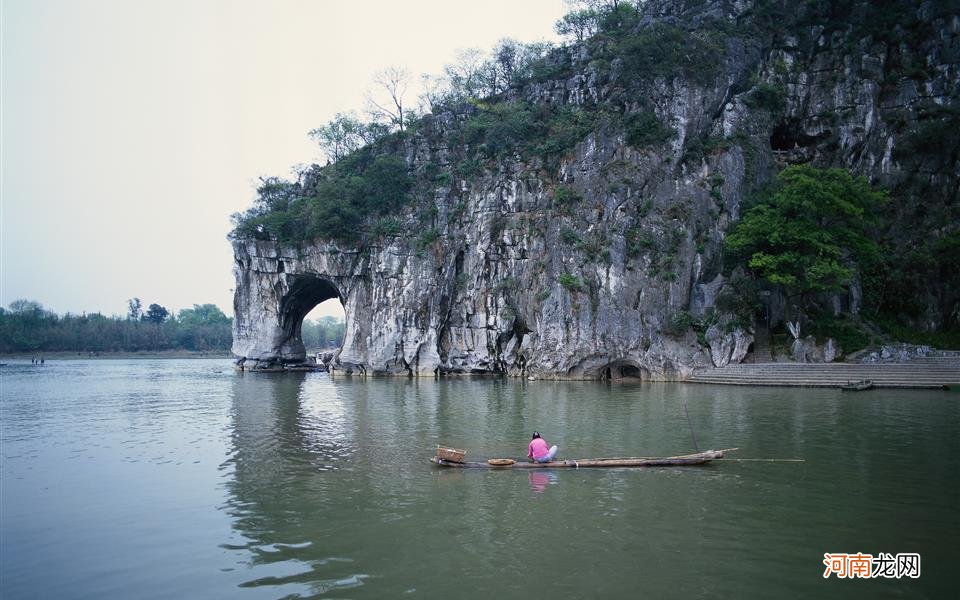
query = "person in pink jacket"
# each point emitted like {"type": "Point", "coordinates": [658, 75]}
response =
{"type": "Point", "coordinates": [538, 451]}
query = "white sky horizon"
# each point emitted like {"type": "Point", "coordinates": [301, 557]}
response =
{"type": "Point", "coordinates": [131, 131]}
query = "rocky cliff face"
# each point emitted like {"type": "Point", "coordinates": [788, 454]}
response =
{"type": "Point", "coordinates": [578, 268]}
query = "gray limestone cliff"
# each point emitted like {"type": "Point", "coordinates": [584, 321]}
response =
{"type": "Point", "coordinates": [579, 267]}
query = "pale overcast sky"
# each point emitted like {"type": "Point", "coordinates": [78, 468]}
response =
{"type": "Point", "coordinates": [131, 130]}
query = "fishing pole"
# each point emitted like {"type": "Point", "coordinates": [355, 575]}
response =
{"type": "Point", "coordinates": [690, 425]}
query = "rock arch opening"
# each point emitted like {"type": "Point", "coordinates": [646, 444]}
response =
{"type": "Point", "coordinates": [623, 370]}
{"type": "Point", "coordinates": [312, 319]}
{"type": "Point", "coordinates": [323, 330]}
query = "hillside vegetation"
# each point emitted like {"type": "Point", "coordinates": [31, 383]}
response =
{"type": "Point", "coordinates": [767, 87]}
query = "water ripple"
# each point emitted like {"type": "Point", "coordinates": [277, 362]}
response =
{"type": "Point", "coordinates": [164, 479]}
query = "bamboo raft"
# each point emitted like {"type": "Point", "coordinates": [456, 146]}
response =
{"type": "Point", "coordinates": [629, 461]}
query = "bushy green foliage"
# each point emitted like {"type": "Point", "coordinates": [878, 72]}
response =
{"type": "Point", "coordinates": [444, 179]}
{"type": "Point", "coordinates": [639, 242]}
{"type": "Point", "coordinates": [336, 207]}
{"type": "Point", "coordinates": [566, 196]}
{"type": "Point", "coordinates": [369, 180]}
{"type": "Point", "coordinates": [663, 50]}
{"type": "Point", "coordinates": [809, 233]}
{"type": "Point", "coordinates": [469, 168]}
{"type": "Point", "coordinates": [274, 213]}
{"type": "Point", "coordinates": [645, 130]}
{"type": "Point", "coordinates": [891, 21]}
{"type": "Point", "coordinates": [617, 18]}
{"type": "Point", "coordinates": [502, 128]}
{"type": "Point", "coordinates": [569, 236]}
{"type": "Point", "coordinates": [697, 148]}
{"type": "Point", "coordinates": [594, 248]}
{"type": "Point", "coordinates": [891, 284]}
{"type": "Point", "coordinates": [739, 297]}
{"type": "Point", "coordinates": [846, 330]}
{"type": "Point", "coordinates": [427, 238]}
{"type": "Point", "coordinates": [566, 127]}
{"type": "Point", "coordinates": [202, 314]}
{"type": "Point", "coordinates": [947, 338]}
{"type": "Point", "coordinates": [571, 282]}
{"type": "Point", "coordinates": [767, 96]}
{"type": "Point", "coordinates": [345, 134]}
{"type": "Point", "coordinates": [388, 227]}
{"type": "Point", "coordinates": [682, 321]}
{"type": "Point", "coordinates": [935, 137]}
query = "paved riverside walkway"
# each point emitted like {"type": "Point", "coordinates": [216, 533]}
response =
{"type": "Point", "coordinates": [918, 373]}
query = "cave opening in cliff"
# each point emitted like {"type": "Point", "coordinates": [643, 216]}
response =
{"type": "Point", "coordinates": [789, 135]}
{"type": "Point", "coordinates": [616, 371]}
{"type": "Point", "coordinates": [312, 316]}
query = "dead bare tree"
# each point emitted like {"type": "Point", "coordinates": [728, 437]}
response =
{"type": "Point", "coordinates": [387, 101]}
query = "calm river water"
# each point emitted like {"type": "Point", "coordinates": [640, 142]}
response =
{"type": "Point", "coordinates": [181, 478]}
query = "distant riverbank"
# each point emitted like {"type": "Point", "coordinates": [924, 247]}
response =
{"type": "Point", "coordinates": [48, 356]}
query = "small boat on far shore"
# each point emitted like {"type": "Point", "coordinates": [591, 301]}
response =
{"type": "Point", "coordinates": [857, 386]}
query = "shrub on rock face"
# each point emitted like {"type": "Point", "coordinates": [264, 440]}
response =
{"type": "Point", "coordinates": [504, 128]}
{"type": "Point", "coordinates": [566, 196]}
{"type": "Point", "coordinates": [680, 322]}
{"type": "Point", "coordinates": [571, 282]}
{"type": "Point", "coordinates": [427, 238]}
{"type": "Point", "coordinates": [663, 50]}
{"type": "Point", "coordinates": [768, 97]}
{"type": "Point", "coordinates": [645, 130]}
{"type": "Point", "coordinates": [388, 227]}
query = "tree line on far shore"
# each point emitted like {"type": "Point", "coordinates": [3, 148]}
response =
{"type": "Point", "coordinates": [25, 326]}
{"type": "Point", "coordinates": [322, 334]}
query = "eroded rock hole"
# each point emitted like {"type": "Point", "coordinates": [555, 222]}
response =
{"type": "Point", "coordinates": [313, 319]}
{"type": "Point", "coordinates": [623, 371]}
{"type": "Point", "coordinates": [789, 136]}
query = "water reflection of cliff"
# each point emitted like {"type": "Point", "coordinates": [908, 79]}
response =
{"type": "Point", "coordinates": [321, 472]}
{"type": "Point", "coordinates": [328, 484]}
{"type": "Point", "coordinates": [291, 437]}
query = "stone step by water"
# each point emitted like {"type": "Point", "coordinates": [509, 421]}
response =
{"type": "Point", "coordinates": [936, 372]}
{"type": "Point", "coordinates": [761, 346]}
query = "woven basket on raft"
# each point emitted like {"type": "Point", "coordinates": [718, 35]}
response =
{"type": "Point", "coordinates": [501, 462]}
{"type": "Point", "coordinates": [451, 454]}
